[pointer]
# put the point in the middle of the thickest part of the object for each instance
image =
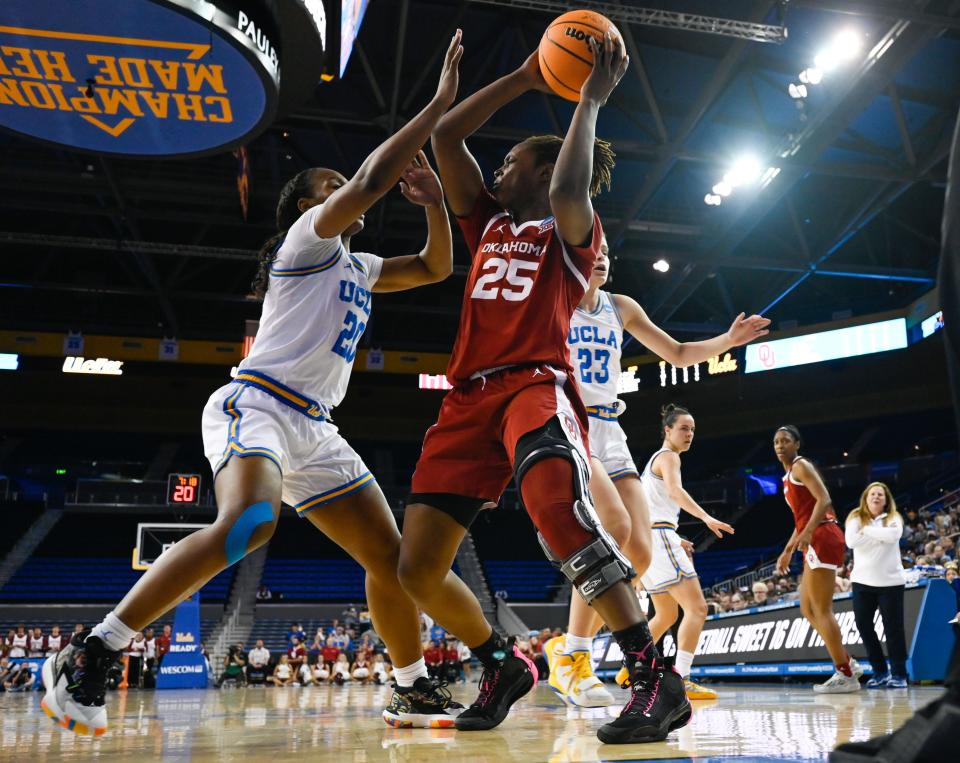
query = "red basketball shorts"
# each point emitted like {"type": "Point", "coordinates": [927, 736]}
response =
{"type": "Point", "coordinates": [470, 450]}
{"type": "Point", "coordinates": [827, 548]}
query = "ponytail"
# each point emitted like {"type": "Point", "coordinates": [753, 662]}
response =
{"type": "Point", "coordinates": [288, 212]}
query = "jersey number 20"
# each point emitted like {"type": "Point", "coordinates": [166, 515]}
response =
{"type": "Point", "coordinates": [488, 285]}
{"type": "Point", "coordinates": [346, 344]}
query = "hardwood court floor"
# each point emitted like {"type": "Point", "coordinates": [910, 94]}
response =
{"type": "Point", "coordinates": [343, 724]}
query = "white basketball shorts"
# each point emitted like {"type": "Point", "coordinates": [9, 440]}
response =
{"type": "Point", "coordinates": [317, 464]}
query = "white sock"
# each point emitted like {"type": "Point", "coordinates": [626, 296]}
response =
{"type": "Point", "coordinates": [405, 676]}
{"type": "Point", "coordinates": [683, 663]}
{"type": "Point", "coordinates": [578, 643]}
{"type": "Point", "coordinates": [113, 633]}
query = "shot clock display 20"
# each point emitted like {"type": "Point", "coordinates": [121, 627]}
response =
{"type": "Point", "coordinates": [183, 489]}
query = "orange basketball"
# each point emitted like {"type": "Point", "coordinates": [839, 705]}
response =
{"type": "Point", "coordinates": [565, 56]}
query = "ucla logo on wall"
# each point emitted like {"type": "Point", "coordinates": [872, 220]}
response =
{"type": "Point", "coordinates": [138, 77]}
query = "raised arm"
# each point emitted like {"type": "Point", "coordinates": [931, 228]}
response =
{"type": "Point", "coordinates": [420, 185]}
{"type": "Point", "coordinates": [459, 171]}
{"type": "Point", "coordinates": [669, 463]}
{"type": "Point", "coordinates": [570, 183]}
{"type": "Point", "coordinates": [381, 169]}
{"type": "Point", "coordinates": [742, 331]}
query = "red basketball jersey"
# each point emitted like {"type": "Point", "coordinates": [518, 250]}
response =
{"type": "Point", "coordinates": [801, 501]}
{"type": "Point", "coordinates": [523, 286]}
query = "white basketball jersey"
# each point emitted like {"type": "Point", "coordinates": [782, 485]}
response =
{"type": "Point", "coordinates": [662, 507]}
{"type": "Point", "coordinates": [314, 313]}
{"type": "Point", "coordinates": [595, 341]}
{"type": "Point", "coordinates": [19, 645]}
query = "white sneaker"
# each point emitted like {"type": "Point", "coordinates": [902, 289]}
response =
{"type": "Point", "coordinates": [75, 683]}
{"type": "Point", "coordinates": [839, 683]}
{"type": "Point", "coordinates": [856, 668]}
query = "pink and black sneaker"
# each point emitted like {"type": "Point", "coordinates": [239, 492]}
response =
{"type": "Point", "coordinates": [658, 704]}
{"type": "Point", "coordinates": [500, 687]}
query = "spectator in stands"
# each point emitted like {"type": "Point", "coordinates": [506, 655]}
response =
{"type": "Point", "coordinates": [318, 641]}
{"type": "Point", "coordinates": [952, 576]}
{"type": "Point", "coordinates": [149, 659]}
{"type": "Point", "coordinates": [6, 669]}
{"type": "Point", "coordinates": [264, 593]}
{"type": "Point", "coordinates": [760, 593]}
{"type": "Point", "coordinates": [380, 669]}
{"type": "Point", "coordinates": [536, 653]}
{"type": "Point", "coordinates": [234, 665]}
{"type": "Point", "coordinates": [737, 602]}
{"type": "Point", "coordinates": [451, 659]}
{"type": "Point", "coordinates": [349, 616]}
{"type": "Point", "coordinates": [163, 643]}
{"type": "Point", "coordinates": [134, 653]}
{"type": "Point", "coordinates": [340, 672]}
{"type": "Point", "coordinates": [437, 633]}
{"type": "Point", "coordinates": [433, 656]}
{"type": "Point", "coordinates": [364, 621]}
{"type": "Point", "coordinates": [360, 670]}
{"type": "Point", "coordinates": [20, 678]}
{"type": "Point", "coordinates": [724, 601]}
{"type": "Point", "coordinates": [283, 674]}
{"type": "Point", "coordinates": [313, 674]}
{"type": "Point", "coordinates": [18, 642]}
{"type": "Point", "coordinates": [426, 623]}
{"type": "Point", "coordinates": [78, 628]}
{"type": "Point", "coordinates": [842, 584]}
{"type": "Point", "coordinates": [329, 654]}
{"type": "Point", "coordinates": [258, 661]}
{"type": "Point", "coordinates": [36, 644]}
{"type": "Point", "coordinates": [340, 639]}
{"type": "Point", "coordinates": [296, 631]}
{"type": "Point", "coordinates": [873, 531]}
{"type": "Point", "coordinates": [297, 654]}
{"type": "Point", "coordinates": [55, 641]}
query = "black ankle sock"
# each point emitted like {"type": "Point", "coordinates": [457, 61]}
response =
{"type": "Point", "coordinates": [492, 651]}
{"type": "Point", "coordinates": [636, 643]}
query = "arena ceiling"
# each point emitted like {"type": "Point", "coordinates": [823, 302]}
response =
{"type": "Point", "coordinates": [849, 223]}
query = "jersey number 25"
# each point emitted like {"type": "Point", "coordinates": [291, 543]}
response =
{"type": "Point", "coordinates": [488, 285]}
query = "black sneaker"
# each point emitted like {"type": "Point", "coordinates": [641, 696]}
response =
{"type": "Point", "coordinates": [75, 682]}
{"type": "Point", "coordinates": [500, 687]}
{"type": "Point", "coordinates": [658, 704]}
{"type": "Point", "coordinates": [425, 705]}
{"type": "Point", "coordinates": [930, 736]}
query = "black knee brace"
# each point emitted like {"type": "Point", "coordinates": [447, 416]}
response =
{"type": "Point", "coordinates": [600, 564]}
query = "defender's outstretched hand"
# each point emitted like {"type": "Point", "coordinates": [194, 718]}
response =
{"type": "Point", "coordinates": [450, 74]}
{"type": "Point", "coordinates": [419, 184]}
{"type": "Point", "coordinates": [744, 330]}
{"type": "Point", "coordinates": [610, 61]}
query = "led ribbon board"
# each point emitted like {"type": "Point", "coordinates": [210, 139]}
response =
{"type": "Point", "coordinates": [139, 77]}
{"type": "Point", "coordinates": [827, 345]}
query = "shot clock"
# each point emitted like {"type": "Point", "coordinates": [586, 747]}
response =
{"type": "Point", "coordinates": [183, 489]}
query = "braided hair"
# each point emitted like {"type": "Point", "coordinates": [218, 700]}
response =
{"type": "Point", "coordinates": [288, 212]}
{"type": "Point", "coordinates": [546, 149]}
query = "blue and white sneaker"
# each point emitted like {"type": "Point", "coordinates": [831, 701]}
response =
{"type": "Point", "coordinates": [898, 682]}
{"type": "Point", "coordinates": [878, 681]}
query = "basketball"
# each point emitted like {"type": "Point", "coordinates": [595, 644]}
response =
{"type": "Point", "coordinates": [564, 53]}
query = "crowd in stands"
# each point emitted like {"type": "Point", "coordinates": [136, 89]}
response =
{"type": "Point", "coordinates": [23, 651]}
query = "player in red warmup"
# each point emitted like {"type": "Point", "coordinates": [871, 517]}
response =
{"type": "Point", "coordinates": [515, 409]}
{"type": "Point", "coordinates": [818, 536]}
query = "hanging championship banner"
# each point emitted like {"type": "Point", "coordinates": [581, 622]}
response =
{"type": "Point", "coordinates": [139, 77]}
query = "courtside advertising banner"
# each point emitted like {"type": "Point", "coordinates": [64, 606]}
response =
{"type": "Point", "coordinates": [184, 667]}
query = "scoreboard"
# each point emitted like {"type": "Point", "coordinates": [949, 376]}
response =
{"type": "Point", "coordinates": [183, 489]}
